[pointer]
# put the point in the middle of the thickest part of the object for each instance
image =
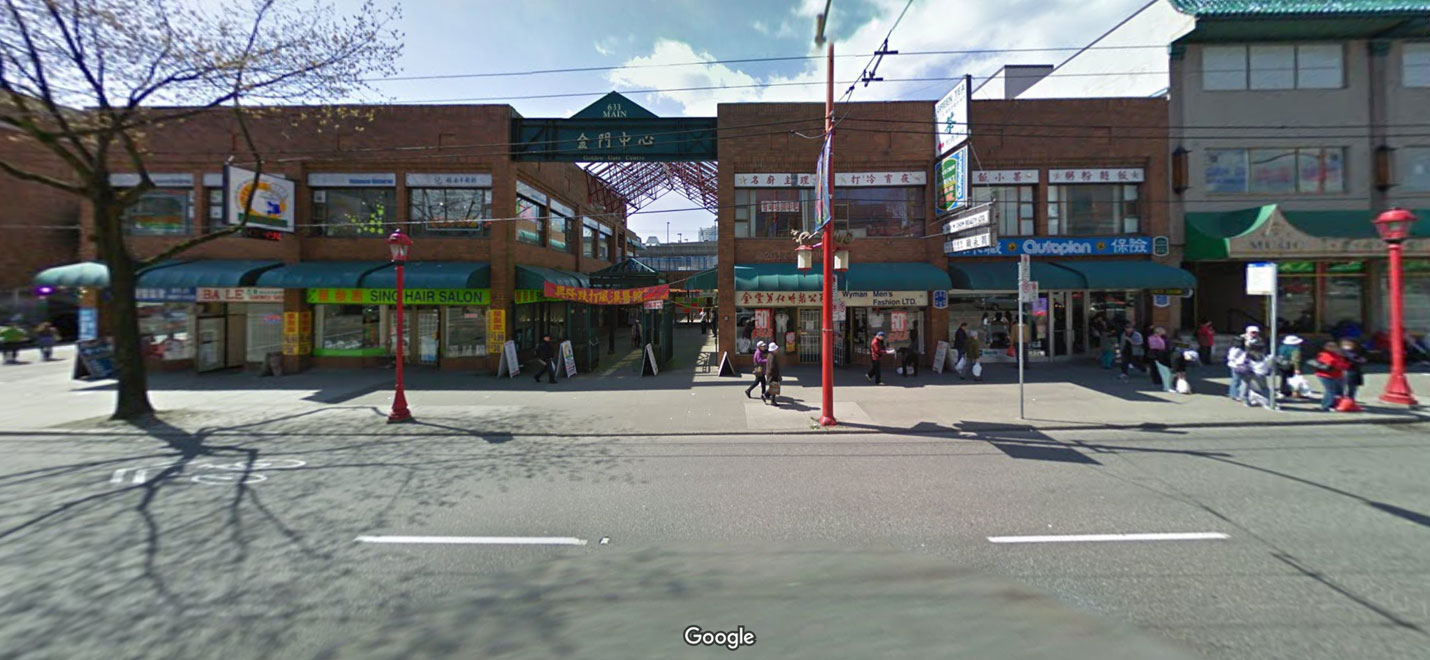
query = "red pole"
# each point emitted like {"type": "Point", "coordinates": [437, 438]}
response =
{"type": "Point", "coordinates": [826, 339]}
{"type": "Point", "coordinates": [400, 413]}
{"type": "Point", "coordinates": [1397, 389]}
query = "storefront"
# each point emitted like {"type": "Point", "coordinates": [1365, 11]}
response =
{"type": "Point", "coordinates": [1332, 270]}
{"type": "Point", "coordinates": [438, 323]}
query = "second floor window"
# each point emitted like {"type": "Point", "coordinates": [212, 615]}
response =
{"type": "Point", "coordinates": [772, 212]}
{"type": "Point", "coordinates": [1094, 210]}
{"type": "Point", "coordinates": [450, 211]}
{"type": "Point", "coordinates": [354, 212]}
{"type": "Point", "coordinates": [1014, 206]}
{"type": "Point", "coordinates": [531, 220]}
{"type": "Point", "coordinates": [1313, 170]}
{"type": "Point", "coordinates": [161, 212]}
{"type": "Point", "coordinates": [562, 225]}
{"type": "Point", "coordinates": [1415, 64]}
{"type": "Point", "coordinates": [1273, 66]}
{"type": "Point", "coordinates": [880, 212]}
{"type": "Point", "coordinates": [588, 237]}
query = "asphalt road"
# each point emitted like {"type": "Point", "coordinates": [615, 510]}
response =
{"type": "Point", "coordinates": [240, 541]}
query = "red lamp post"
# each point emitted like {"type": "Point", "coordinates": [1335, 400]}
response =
{"type": "Point", "coordinates": [1394, 227]}
{"type": "Point", "coordinates": [398, 243]}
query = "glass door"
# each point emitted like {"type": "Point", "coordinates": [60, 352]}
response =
{"type": "Point", "coordinates": [808, 341]}
{"type": "Point", "coordinates": [428, 321]}
{"type": "Point", "coordinates": [211, 349]}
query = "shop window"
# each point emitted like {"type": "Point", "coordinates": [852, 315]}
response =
{"type": "Point", "coordinates": [561, 228]}
{"type": "Point", "coordinates": [265, 331]}
{"type": "Point", "coordinates": [530, 223]}
{"type": "Point", "coordinates": [1223, 68]}
{"type": "Point", "coordinates": [772, 212]}
{"type": "Point", "coordinates": [161, 212]}
{"type": "Point", "coordinates": [349, 330]}
{"type": "Point", "coordinates": [1308, 170]}
{"type": "Point", "coordinates": [1344, 296]}
{"type": "Point", "coordinates": [1296, 304]}
{"type": "Point", "coordinates": [880, 212]}
{"type": "Point", "coordinates": [450, 211]}
{"type": "Point", "coordinates": [1272, 67]}
{"type": "Point", "coordinates": [1415, 168]}
{"type": "Point", "coordinates": [603, 245]}
{"type": "Point", "coordinates": [215, 206]}
{"type": "Point", "coordinates": [165, 330]}
{"type": "Point", "coordinates": [465, 334]}
{"type": "Point", "coordinates": [1094, 209]}
{"type": "Point", "coordinates": [354, 212]}
{"type": "Point", "coordinates": [1415, 64]}
{"type": "Point", "coordinates": [1014, 206]}
{"type": "Point", "coordinates": [588, 238]}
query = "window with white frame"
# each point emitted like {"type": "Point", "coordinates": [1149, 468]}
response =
{"type": "Point", "coordinates": [1094, 209]}
{"type": "Point", "coordinates": [1415, 64]}
{"type": "Point", "coordinates": [1014, 206]}
{"type": "Point", "coordinates": [1275, 170]}
{"type": "Point", "coordinates": [1273, 66]}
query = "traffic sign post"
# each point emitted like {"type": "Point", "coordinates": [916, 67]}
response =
{"type": "Point", "coordinates": [1027, 293]}
{"type": "Point", "coordinates": [1261, 281]}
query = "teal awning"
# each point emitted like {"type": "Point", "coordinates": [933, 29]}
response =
{"type": "Point", "coordinates": [1003, 276]}
{"type": "Point", "coordinates": [1109, 274]}
{"type": "Point", "coordinates": [320, 274]}
{"type": "Point", "coordinates": [706, 280]}
{"type": "Point", "coordinates": [433, 275]}
{"type": "Point", "coordinates": [892, 276]}
{"type": "Point", "coordinates": [536, 277]}
{"type": "Point", "coordinates": [85, 273]}
{"type": "Point", "coordinates": [206, 272]}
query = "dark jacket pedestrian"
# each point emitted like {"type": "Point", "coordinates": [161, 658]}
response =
{"type": "Point", "coordinates": [772, 374]}
{"type": "Point", "coordinates": [45, 338]}
{"type": "Point", "coordinates": [1355, 373]}
{"type": "Point", "coordinates": [973, 352]}
{"type": "Point", "coordinates": [761, 362]}
{"type": "Point", "coordinates": [546, 352]}
{"type": "Point", "coordinates": [1288, 363]}
{"type": "Point", "coordinates": [960, 339]}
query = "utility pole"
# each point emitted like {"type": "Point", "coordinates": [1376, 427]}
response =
{"type": "Point", "coordinates": [826, 338]}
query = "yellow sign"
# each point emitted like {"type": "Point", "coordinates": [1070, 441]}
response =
{"type": "Point", "coordinates": [496, 331]}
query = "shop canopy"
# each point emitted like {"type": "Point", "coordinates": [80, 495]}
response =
{"type": "Point", "coordinates": [85, 273]}
{"type": "Point", "coordinates": [1003, 276]}
{"type": "Point", "coordinates": [206, 273]}
{"type": "Point", "coordinates": [536, 277]}
{"type": "Point", "coordinates": [1272, 232]}
{"type": "Point", "coordinates": [1103, 274]}
{"type": "Point", "coordinates": [433, 275]}
{"type": "Point", "coordinates": [705, 280]}
{"type": "Point", "coordinates": [320, 275]}
{"type": "Point", "coordinates": [628, 274]}
{"type": "Point", "coordinates": [899, 276]}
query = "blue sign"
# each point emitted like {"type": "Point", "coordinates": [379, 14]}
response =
{"type": "Point", "coordinates": [173, 294]}
{"type": "Point", "coordinates": [88, 323]}
{"type": "Point", "coordinates": [1064, 247]}
{"type": "Point", "coordinates": [940, 299]}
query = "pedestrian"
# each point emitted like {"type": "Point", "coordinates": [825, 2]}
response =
{"type": "Point", "coordinates": [704, 322]}
{"type": "Point", "coordinates": [12, 337]}
{"type": "Point", "coordinates": [1355, 374]}
{"type": "Point", "coordinates": [973, 352]}
{"type": "Point", "coordinates": [715, 322]}
{"type": "Point", "coordinates": [772, 375]}
{"type": "Point", "coordinates": [546, 352]}
{"type": "Point", "coordinates": [45, 338]}
{"type": "Point", "coordinates": [1157, 355]}
{"type": "Point", "coordinates": [1258, 366]}
{"type": "Point", "coordinates": [636, 334]}
{"type": "Point", "coordinates": [759, 360]}
{"type": "Point", "coordinates": [1288, 366]}
{"type": "Point", "coordinates": [1206, 341]}
{"type": "Point", "coordinates": [1330, 366]}
{"type": "Point", "coordinates": [960, 339]}
{"type": "Point", "coordinates": [1181, 359]}
{"type": "Point", "coordinates": [1239, 368]}
{"type": "Point", "coordinates": [877, 350]}
{"type": "Point", "coordinates": [908, 362]}
{"type": "Point", "coordinates": [1126, 343]}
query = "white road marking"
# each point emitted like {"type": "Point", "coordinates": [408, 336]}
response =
{"type": "Point", "coordinates": [476, 540]}
{"type": "Point", "coordinates": [1083, 538]}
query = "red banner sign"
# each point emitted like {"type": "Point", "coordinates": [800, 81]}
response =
{"type": "Point", "coordinates": [607, 296]}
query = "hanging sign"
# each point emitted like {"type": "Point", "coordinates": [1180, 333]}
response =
{"type": "Point", "coordinates": [951, 117]}
{"type": "Point", "coordinates": [979, 216]}
{"type": "Point", "coordinates": [953, 180]}
{"type": "Point", "coordinates": [607, 296]}
{"type": "Point", "coordinates": [270, 200]}
{"type": "Point", "coordinates": [977, 241]}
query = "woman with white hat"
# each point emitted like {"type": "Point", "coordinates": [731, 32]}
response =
{"type": "Point", "coordinates": [1288, 364]}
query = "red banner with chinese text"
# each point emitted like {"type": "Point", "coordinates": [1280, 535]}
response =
{"type": "Point", "coordinates": [607, 296]}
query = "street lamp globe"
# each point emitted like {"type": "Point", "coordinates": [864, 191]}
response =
{"type": "Point", "coordinates": [1394, 225]}
{"type": "Point", "coordinates": [804, 257]}
{"type": "Point", "coordinates": [398, 243]}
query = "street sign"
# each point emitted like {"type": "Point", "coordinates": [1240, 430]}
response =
{"type": "Point", "coordinates": [976, 241]}
{"type": "Point", "coordinates": [978, 216]}
{"type": "Point", "coordinates": [1261, 279]}
{"type": "Point", "coordinates": [1028, 292]}
{"type": "Point", "coordinates": [1025, 268]}
{"type": "Point", "coordinates": [940, 299]}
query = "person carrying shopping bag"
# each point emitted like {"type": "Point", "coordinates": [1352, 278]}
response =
{"type": "Point", "coordinates": [772, 375]}
{"type": "Point", "coordinates": [759, 360]}
{"type": "Point", "coordinates": [970, 361]}
{"type": "Point", "coordinates": [1288, 364]}
{"type": "Point", "coordinates": [1330, 366]}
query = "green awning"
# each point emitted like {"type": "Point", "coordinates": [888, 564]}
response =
{"type": "Point", "coordinates": [1209, 235]}
{"type": "Point", "coordinates": [206, 272]}
{"type": "Point", "coordinates": [433, 275]}
{"type": "Point", "coordinates": [704, 281]}
{"type": "Point", "coordinates": [1110, 274]}
{"type": "Point", "coordinates": [1003, 276]}
{"type": "Point", "coordinates": [897, 276]}
{"type": "Point", "coordinates": [320, 275]}
{"type": "Point", "coordinates": [536, 277]}
{"type": "Point", "coordinates": [85, 273]}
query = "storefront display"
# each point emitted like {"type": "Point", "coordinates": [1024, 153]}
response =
{"type": "Point", "coordinates": [349, 330]}
{"type": "Point", "coordinates": [465, 332]}
{"type": "Point", "coordinates": [166, 329]}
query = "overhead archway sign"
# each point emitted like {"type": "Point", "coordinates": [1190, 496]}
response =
{"type": "Point", "coordinates": [614, 129]}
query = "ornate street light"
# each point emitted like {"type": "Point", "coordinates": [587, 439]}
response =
{"type": "Point", "coordinates": [804, 257]}
{"type": "Point", "coordinates": [398, 243]}
{"type": "Point", "coordinates": [1394, 228]}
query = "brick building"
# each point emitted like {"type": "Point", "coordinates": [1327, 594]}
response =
{"type": "Point", "coordinates": [40, 225]}
{"type": "Point", "coordinates": [322, 293]}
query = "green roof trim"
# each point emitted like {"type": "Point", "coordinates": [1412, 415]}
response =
{"type": "Point", "coordinates": [536, 277]}
{"type": "Point", "coordinates": [886, 276]}
{"type": "Point", "coordinates": [1003, 276]}
{"type": "Point", "coordinates": [206, 273]}
{"type": "Point", "coordinates": [1208, 233]}
{"type": "Point", "coordinates": [1121, 274]}
{"type": "Point", "coordinates": [1220, 8]}
{"type": "Point", "coordinates": [320, 274]}
{"type": "Point", "coordinates": [433, 275]}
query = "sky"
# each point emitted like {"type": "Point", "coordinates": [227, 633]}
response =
{"type": "Point", "coordinates": [463, 37]}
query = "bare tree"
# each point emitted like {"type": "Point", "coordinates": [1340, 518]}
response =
{"type": "Point", "coordinates": [89, 79]}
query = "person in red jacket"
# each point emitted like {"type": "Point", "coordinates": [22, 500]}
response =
{"type": "Point", "coordinates": [1206, 338]}
{"type": "Point", "coordinates": [1331, 368]}
{"type": "Point", "coordinates": [877, 349]}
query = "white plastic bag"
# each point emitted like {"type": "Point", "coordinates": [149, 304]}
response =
{"type": "Point", "coordinates": [962, 364]}
{"type": "Point", "coordinates": [1183, 387]}
{"type": "Point", "coordinates": [1299, 385]}
{"type": "Point", "coordinates": [899, 371]}
{"type": "Point", "coordinates": [977, 369]}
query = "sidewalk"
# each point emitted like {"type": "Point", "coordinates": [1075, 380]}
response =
{"type": "Point", "coordinates": [685, 400]}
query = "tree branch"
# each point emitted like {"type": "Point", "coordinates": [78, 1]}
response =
{"type": "Point", "coordinates": [189, 244]}
{"type": "Point", "coordinates": [40, 178]}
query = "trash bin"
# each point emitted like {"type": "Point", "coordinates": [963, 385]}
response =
{"type": "Point", "coordinates": [273, 364]}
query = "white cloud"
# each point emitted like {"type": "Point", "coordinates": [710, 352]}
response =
{"type": "Point", "coordinates": [933, 25]}
{"type": "Point", "coordinates": [602, 49]}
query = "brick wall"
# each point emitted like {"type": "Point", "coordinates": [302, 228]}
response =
{"type": "Point", "coordinates": [29, 248]}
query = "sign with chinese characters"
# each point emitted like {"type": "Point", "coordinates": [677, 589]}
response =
{"type": "Point", "coordinates": [269, 200]}
{"type": "Point", "coordinates": [980, 216]}
{"type": "Point", "coordinates": [496, 330]}
{"type": "Point", "coordinates": [467, 180]}
{"type": "Point", "coordinates": [779, 206]}
{"type": "Point", "coordinates": [614, 128]}
{"type": "Point", "coordinates": [352, 180]}
{"type": "Point", "coordinates": [607, 296]}
{"type": "Point", "coordinates": [409, 296]}
{"type": "Point", "coordinates": [1115, 175]}
{"type": "Point", "coordinates": [1005, 177]}
{"type": "Point", "coordinates": [979, 241]}
{"type": "Point", "coordinates": [655, 304]}
{"type": "Point", "coordinates": [170, 294]}
{"type": "Point", "coordinates": [1063, 247]}
{"type": "Point", "coordinates": [841, 179]}
{"type": "Point", "coordinates": [528, 296]}
{"type": "Point", "coordinates": [951, 117]}
{"type": "Point", "coordinates": [160, 180]}
{"type": "Point", "coordinates": [843, 298]}
{"type": "Point", "coordinates": [249, 294]}
{"type": "Point", "coordinates": [292, 333]}
{"type": "Point", "coordinates": [953, 180]}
